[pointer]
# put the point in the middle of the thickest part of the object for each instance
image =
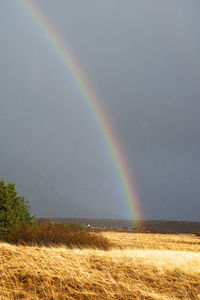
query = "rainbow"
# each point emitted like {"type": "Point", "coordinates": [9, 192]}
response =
{"type": "Point", "coordinates": [110, 138]}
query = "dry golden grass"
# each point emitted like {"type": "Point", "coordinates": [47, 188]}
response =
{"type": "Point", "coordinates": [154, 241]}
{"type": "Point", "coordinates": [146, 267]}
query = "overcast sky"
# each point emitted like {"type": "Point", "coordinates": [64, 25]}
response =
{"type": "Point", "coordinates": [142, 58]}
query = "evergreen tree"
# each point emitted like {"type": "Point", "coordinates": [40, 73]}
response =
{"type": "Point", "coordinates": [14, 209]}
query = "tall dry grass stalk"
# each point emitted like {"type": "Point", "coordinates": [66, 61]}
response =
{"type": "Point", "coordinates": [136, 271]}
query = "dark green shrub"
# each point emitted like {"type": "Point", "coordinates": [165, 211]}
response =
{"type": "Point", "coordinates": [14, 209]}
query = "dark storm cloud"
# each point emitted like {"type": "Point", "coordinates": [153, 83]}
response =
{"type": "Point", "coordinates": [142, 59]}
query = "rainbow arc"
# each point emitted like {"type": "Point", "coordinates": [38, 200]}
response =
{"type": "Point", "coordinates": [93, 102]}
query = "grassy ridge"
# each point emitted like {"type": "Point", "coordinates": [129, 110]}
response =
{"type": "Point", "coordinates": [132, 272]}
{"type": "Point", "coordinates": [47, 234]}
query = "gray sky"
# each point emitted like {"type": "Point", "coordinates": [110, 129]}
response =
{"type": "Point", "coordinates": [142, 59]}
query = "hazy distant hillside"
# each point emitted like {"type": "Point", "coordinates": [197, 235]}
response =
{"type": "Point", "coordinates": [158, 226]}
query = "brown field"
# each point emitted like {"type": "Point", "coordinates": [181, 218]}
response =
{"type": "Point", "coordinates": [141, 266]}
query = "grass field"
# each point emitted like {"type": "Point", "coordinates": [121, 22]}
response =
{"type": "Point", "coordinates": [141, 266]}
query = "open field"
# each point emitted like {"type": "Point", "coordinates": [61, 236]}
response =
{"type": "Point", "coordinates": [154, 241]}
{"type": "Point", "coordinates": [146, 266]}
